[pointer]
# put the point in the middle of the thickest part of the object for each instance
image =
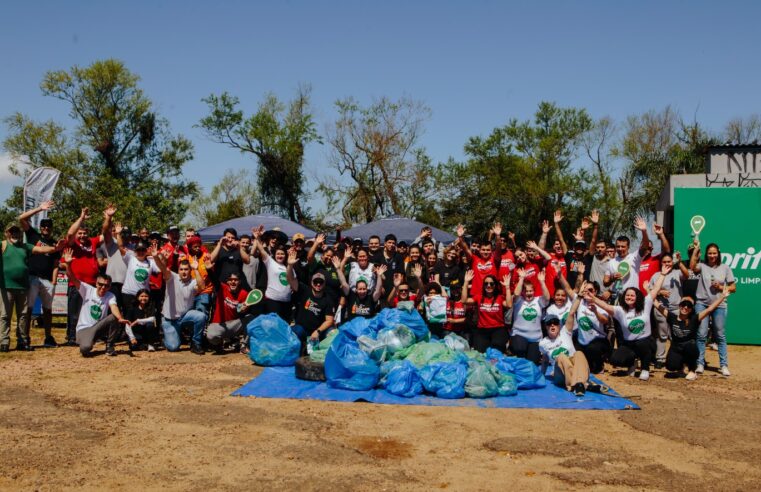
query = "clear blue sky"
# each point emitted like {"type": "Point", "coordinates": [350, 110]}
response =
{"type": "Point", "coordinates": [475, 64]}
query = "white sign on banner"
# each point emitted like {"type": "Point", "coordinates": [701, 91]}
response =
{"type": "Point", "coordinates": [61, 295]}
{"type": "Point", "coordinates": [38, 188]}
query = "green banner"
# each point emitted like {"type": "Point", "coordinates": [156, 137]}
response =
{"type": "Point", "coordinates": [731, 218]}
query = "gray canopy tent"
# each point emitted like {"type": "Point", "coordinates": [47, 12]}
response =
{"type": "Point", "coordinates": [243, 225]}
{"type": "Point", "coordinates": [404, 229]}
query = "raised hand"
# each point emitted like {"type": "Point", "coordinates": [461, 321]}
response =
{"type": "Point", "coordinates": [320, 238]}
{"type": "Point", "coordinates": [110, 210]}
{"type": "Point", "coordinates": [521, 273]}
{"type": "Point", "coordinates": [497, 228]}
{"type": "Point", "coordinates": [557, 217]}
{"type": "Point", "coordinates": [60, 244]}
{"type": "Point", "coordinates": [545, 227]}
{"type": "Point", "coordinates": [532, 245]}
{"type": "Point", "coordinates": [469, 275]}
{"type": "Point", "coordinates": [118, 228]}
{"type": "Point", "coordinates": [68, 255]}
{"type": "Point", "coordinates": [417, 270]}
{"type": "Point", "coordinates": [595, 217]}
{"type": "Point", "coordinates": [580, 268]}
{"type": "Point", "coordinates": [85, 214]}
{"type": "Point", "coordinates": [293, 258]}
{"type": "Point", "coordinates": [639, 223]}
{"type": "Point", "coordinates": [657, 229]}
{"type": "Point", "coordinates": [579, 235]}
{"type": "Point", "coordinates": [585, 223]}
{"type": "Point", "coordinates": [677, 257]}
{"type": "Point", "coordinates": [193, 263]}
{"type": "Point", "coordinates": [541, 275]}
{"type": "Point", "coordinates": [398, 277]}
{"type": "Point", "coordinates": [336, 262]}
{"type": "Point", "coordinates": [665, 270]}
{"type": "Point", "coordinates": [380, 270]}
{"type": "Point", "coordinates": [460, 230]}
{"type": "Point", "coordinates": [47, 205]}
{"type": "Point", "coordinates": [506, 281]}
{"type": "Point", "coordinates": [511, 235]}
{"type": "Point", "coordinates": [153, 251]}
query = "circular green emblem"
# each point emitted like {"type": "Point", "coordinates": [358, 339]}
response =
{"type": "Point", "coordinates": [636, 326]}
{"type": "Point", "coordinates": [254, 297]}
{"type": "Point", "coordinates": [95, 311]}
{"type": "Point", "coordinates": [559, 351]}
{"type": "Point", "coordinates": [529, 314]}
{"type": "Point", "coordinates": [623, 268]}
{"type": "Point", "coordinates": [283, 278]}
{"type": "Point", "coordinates": [585, 323]}
{"type": "Point", "coordinates": [141, 274]}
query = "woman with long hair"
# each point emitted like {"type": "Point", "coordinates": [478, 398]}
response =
{"type": "Point", "coordinates": [490, 304]}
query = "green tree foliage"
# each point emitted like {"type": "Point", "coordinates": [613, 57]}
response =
{"type": "Point", "coordinates": [234, 196]}
{"type": "Point", "coordinates": [383, 170]}
{"type": "Point", "coordinates": [520, 173]}
{"type": "Point", "coordinates": [276, 135]}
{"type": "Point", "coordinates": [118, 150]}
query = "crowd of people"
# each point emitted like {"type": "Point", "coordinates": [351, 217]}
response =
{"type": "Point", "coordinates": [574, 308]}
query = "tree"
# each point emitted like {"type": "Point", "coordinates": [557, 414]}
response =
{"type": "Point", "coordinates": [276, 135]}
{"type": "Point", "coordinates": [520, 173]}
{"type": "Point", "coordinates": [376, 149]}
{"type": "Point", "coordinates": [234, 196]}
{"type": "Point", "coordinates": [743, 130]}
{"type": "Point", "coordinates": [119, 149]}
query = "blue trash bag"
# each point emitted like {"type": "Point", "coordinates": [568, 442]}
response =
{"type": "Point", "coordinates": [271, 341]}
{"type": "Point", "coordinates": [357, 327]}
{"type": "Point", "coordinates": [389, 318]}
{"type": "Point", "coordinates": [387, 366]}
{"type": "Point", "coordinates": [494, 355]}
{"type": "Point", "coordinates": [376, 349]}
{"type": "Point", "coordinates": [348, 367]}
{"type": "Point", "coordinates": [506, 384]}
{"type": "Point", "coordinates": [527, 374]}
{"type": "Point", "coordinates": [445, 379]}
{"type": "Point", "coordinates": [480, 382]}
{"type": "Point", "coordinates": [403, 380]}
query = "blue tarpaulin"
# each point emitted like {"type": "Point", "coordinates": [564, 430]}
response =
{"type": "Point", "coordinates": [281, 382]}
{"type": "Point", "coordinates": [243, 225]}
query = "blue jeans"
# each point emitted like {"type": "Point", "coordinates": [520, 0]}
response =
{"type": "Point", "coordinates": [173, 327]}
{"type": "Point", "coordinates": [719, 317]}
{"type": "Point", "coordinates": [202, 302]}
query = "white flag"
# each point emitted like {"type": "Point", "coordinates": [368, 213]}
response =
{"type": "Point", "coordinates": [38, 188]}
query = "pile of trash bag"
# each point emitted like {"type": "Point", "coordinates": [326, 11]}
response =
{"type": "Point", "coordinates": [394, 351]}
{"type": "Point", "coordinates": [272, 342]}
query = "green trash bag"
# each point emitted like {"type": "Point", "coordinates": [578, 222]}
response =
{"type": "Point", "coordinates": [318, 353]}
{"type": "Point", "coordinates": [474, 355]}
{"type": "Point", "coordinates": [506, 383]}
{"type": "Point", "coordinates": [422, 353]}
{"type": "Point", "coordinates": [480, 382]}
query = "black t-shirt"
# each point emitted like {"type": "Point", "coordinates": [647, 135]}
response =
{"type": "Point", "coordinates": [395, 264]}
{"type": "Point", "coordinates": [229, 261]}
{"type": "Point", "coordinates": [449, 275]}
{"type": "Point", "coordinates": [42, 265]}
{"type": "Point", "coordinates": [572, 266]}
{"type": "Point", "coordinates": [690, 285]}
{"type": "Point", "coordinates": [360, 308]}
{"type": "Point", "coordinates": [301, 269]}
{"type": "Point", "coordinates": [683, 330]}
{"type": "Point", "coordinates": [311, 310]}
{"type": "Point", "coordinates": [332, 283]}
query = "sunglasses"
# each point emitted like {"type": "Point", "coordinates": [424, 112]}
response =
{"type": "Point", "coordinates": [486, 284]}
{"type": "Point", "coordinates": [553, 322]}
{"type": "Point", "coordinates": [101, 284]}
{"type": "Point", "coordinates": [404, 290]}
{"type": "Point", "coordinates": [318, 282]}
{"type": "Point", "coordinates": [686, 304]}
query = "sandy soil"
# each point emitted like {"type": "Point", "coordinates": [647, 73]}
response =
{"type": "Point", "coordinates": [166, 421]}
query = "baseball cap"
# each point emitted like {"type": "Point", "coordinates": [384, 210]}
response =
{"type": "Point", "coordinates": [551, 318]}
{"type": "Point", "coordinates": [297, 236]}
{"type": "Point", "coordinates": [318, 275]}
{"type": "Point", "coordinates": [46, 222]}
{"type": "Point", "coordinates": [173, 228]}
{"type": "Point", "coordinates": [580, 243]}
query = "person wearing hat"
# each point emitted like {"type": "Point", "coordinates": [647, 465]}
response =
{"type": "Point", "coordinates": [116, 267]}
{"type": "Point", "coordinates": [314, 310]}
{"type": "Point", "coordinates": [302, 267]}
{"type": "Point", "coordinates": [43, 270]}
{"type": "Point", "coordinates": [14, 286]}
{"type": "Point", "coordinates": [138, 268]}
{"type": "Point", "coordinates": [569, 367]}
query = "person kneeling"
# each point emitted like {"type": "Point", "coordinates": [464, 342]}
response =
{"type": "Point", "coordinates": [226, 323]}
{"type": "Point", "coordinates": [570, 367]}
{"type": "Point", "coordinates": [94, 320]}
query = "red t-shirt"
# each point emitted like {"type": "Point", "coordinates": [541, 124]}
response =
{"type": "Point", "coordinates": [647, 269]}
{"type": "Point", "coordinates": [173, 260]}
{"type": "Point", "coordinates": [455, 310]}
{"type": "Point", "coordinates": [491, 312]}
{"type": "Point", "coordinates": [227, 303]}
{"type": "Point", "coordinates": [481, 268]}
{"type": "Point", "coordinates": [85, 264]}
{"type": "Point", "coordinates": [531, 268]}
{"type": "Point", "coordinates": [412, 297]}
{"type": "Point", "coordinates": [506, 264]}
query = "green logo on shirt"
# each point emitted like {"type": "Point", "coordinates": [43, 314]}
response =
{"type": "Point", "coordinates": [585, 323]}
{"type": "Point", "coordinates": [636, 326]}
{"type": "Point", "coordinates": [95, 311]}
{"type": "Point", "coordinates": [563, 319]}
{"type": "Point", "coordinates": [141, 274]}
{"type": "Point", "coordinates": [283, 278]}
{"type": "Point", "coordinates": [559, 351]}
{"type": "Point", "coordinates": [529, 314]}
{"type": "Point", "coordinates": [623, 268]}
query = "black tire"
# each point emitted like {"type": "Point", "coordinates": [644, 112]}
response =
{"type": "Point", "coordinates": [309, 370]}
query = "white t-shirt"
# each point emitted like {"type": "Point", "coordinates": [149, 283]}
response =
{"type": "Point", "coordinates": [94, 307]}
{"type": "Point", "coordinates": [277, 281]}
{"type": "Point", "coordinates": [631, 279]}
{"type": "Point", "coordinates": [356, 273]}
{"type": "Point", "coordinates": [587, 325]}
{"type": "Point", "coordinates": [179, 297]}
{"type": "Point", "coordinates": [138, 273]}
{"type": "Point", "coordinates": [634, 326]}
{"type": "Point", "coordinates": [527, 318]}
{"type": "Point", "coordinates": [562, 344]}
{"type": "Point", "coordinates": [561, 312]}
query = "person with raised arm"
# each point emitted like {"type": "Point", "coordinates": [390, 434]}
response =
{"type": "Point", "coordinates": [314, 310]}
{"type": "Point", "coordinates": [483, 261]}
{"type": "Point", "coordinates": [490, 302]}
{"type": "Point", "coordinates": [359, 301]}
{"type": "Point", "coordinates": [669, 296]}
{"type": "Point", "coordinates": [527, 316]}
{"type": "Point", "coordinates": [714, 276]}
{"type": "Point", "coordinates": [229, 256]}
{"type": "Point", "coordinates": [94, 320]}
{"type": "Point", "coordinates": [139, 269]}
{"type": "Point", "coordinates": [633, 315]}
{"type": "Point", "coordinates": [43, 269]}
{"type": "Point", "coordinates": [277, 296]}
{"type": "Point", "coordinates": [177, 311]}
{"type": "Point", "coordinates": [84, 262]}
{"type": "Point", "coordinates": [230, 318]}
{"type": "Point", "coordinates": [623, 270]}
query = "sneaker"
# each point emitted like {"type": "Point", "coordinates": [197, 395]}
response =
{"type": "Point", "coordinates": [578, 389]}
{"type": "Point", "coordinates": [49, 342]}
{"type": "Point", "coordinates": [659, 364]}
{"type": "Point", "coordinates": [713, 346]}
{"type": "Point", "coordinates": [594, 388]}
{"type": "Point", "coordinates": [725, 371]}
{"type": "Point", "coordinates": [197, 350]}
{"type": "Point", "coordinates": [644, 375]}
{"type": "Point", "coordinates": [5, 348]}
{"type": "Point", "coordinates": [632, 370]}
{"type": "Point", "coordinates": [110, 350]}
{"type": "Point", "coordinates": [700, 369]}
{"type": "Point", "coordinates": [24, 348]}
{"type": "Point", "coordinates": [691, 376]}
{"type": "Point", "coordinates": [151, 348]}
{"type": "Point", "coordinates": [71, 343]}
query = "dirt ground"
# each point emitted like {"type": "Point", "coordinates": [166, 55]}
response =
{"type": "Point", "coordinates": [167, 421]}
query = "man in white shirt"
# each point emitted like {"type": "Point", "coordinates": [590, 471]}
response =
{"type": "Point", "coordinates": [623, 270]}
{"type": "Point", "coordinates": [94, 320]}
